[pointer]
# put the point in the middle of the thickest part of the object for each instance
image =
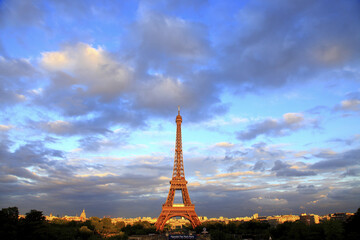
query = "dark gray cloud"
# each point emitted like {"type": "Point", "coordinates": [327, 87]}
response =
{"type": "Point", "coordinates": [275, 47]}
{"type": "Point", "coordinates": [35, 13]}
{"type": "Point", "coordinates": [93, 143]}
{"type": "Point", "coordinates": [65, 128]}
{"type": "Point", "coordinates": [30, 154]}
{"type": "Point", "coordinates": [168, 53]}
{"type": "Point", "coordinates": [87, 81]}
{"type": "Point", "coordinates": [348, 141]}
{"type": "Point", "coordinates": [307, 189]}
{"type": "Point", "coordinates": [132, 188]}
{"type": "Point", "coordinates": [339, 160]}
{"type": "Point", "coordinates": [352, 172]}
{"type": "Point", "coordinates": [20, 13]}
{"type": "Point", "coordinates": [34, 176]}
{"type": "Point", "coordinates": [351, 194]}
{"type": "Point", "coordinates": [259, 166]}
{"type": "Point", "coordinates": [168, 39]}
{"type": "Point", "coordinates": [277, 127]}
{"type": "Point", "coordinates": [13, 76]}
{"type": "Point", "coordinates": [259, 157]}
{"type": "Point", "coordinates": [284, 170]}
{"type": "Point", "coordinates": [160, 62]}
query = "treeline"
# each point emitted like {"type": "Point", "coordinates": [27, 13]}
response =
{"type": "Point", "coordinates": [34, 226]}
{"type": "Point", "coordinates": [256, 230]}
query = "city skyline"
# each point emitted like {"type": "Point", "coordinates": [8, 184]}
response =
{"type": "Point", "coordinates": [269, 95]}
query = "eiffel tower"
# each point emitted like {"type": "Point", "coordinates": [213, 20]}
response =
{"type": "Point", "coordinates": [178, 182]}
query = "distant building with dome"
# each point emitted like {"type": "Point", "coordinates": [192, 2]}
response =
{"type": "Point", "coordinates": [83, 216]}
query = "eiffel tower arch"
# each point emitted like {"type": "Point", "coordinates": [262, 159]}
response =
{"type": "Point", "coordinates": [178, 182]}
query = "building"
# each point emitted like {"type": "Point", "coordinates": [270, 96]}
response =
{"type": "Point", "coordinates": [83, 216]}
{"type": "Point", "coordinates": [340, 216]}
{"type": "Point", "coordinates": [309, 218]}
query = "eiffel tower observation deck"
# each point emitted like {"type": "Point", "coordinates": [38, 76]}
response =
{"type": "Point", "coordinates": [178, 183]}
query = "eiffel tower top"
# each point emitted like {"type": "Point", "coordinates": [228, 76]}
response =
{"type": "Point", "coordinates": [178, 118]}
{"type": "Point", "coordinates": [178, 171]}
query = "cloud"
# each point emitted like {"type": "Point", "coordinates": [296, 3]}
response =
{"type": "Point", "coordinates": [269, 201]}
{"type": "Point", "coordinates": [20, 13]}
{"type": "Point", "coordinates": [166, 53]}
{"type": "Point", "coordinates": [259, 166]}
{"type": "Point", "coordinates": [289, 123]}
{"type": "Point", "coordinates": [351, 194]}
{"type": "Point", "coordinates": [257, 157]}
{"type": "Point", "coordinates": [352, 104]}
{"type": "Point", "coordinates": [12, 88]}
{"type": "Point", "coordinates": [230, 175]}
{"type": "Point", "coordinates": [33, 174]}
{"type": "Point", "coordinates": [352, 172]}
{"type": "Point", "coordinates": [93, 71]}
{"type": "Point", "coordinates": [87, 81]}
{"type": "Point", "coordinates": [340, 160]}
{"type": "Point", "coordinates": [224, 145]}
{"type": "Point", "coordinates": [66, 128]}
{"type": "Point", "coordinates": [170, 42]}
{"type": "Point", "coordinates": [58, 127]}
{"type": "Point", "coordinates": [273, 47]}
{"type": "Point", "coordinates": [285, 170]}
{"type": "Point", "coordinates": [110, 140]}
{"type": "Point", "coordinates": [348, 141]}
{"type": "Point", "coordinates": [160, 93]}
{"type": "Point", "coordinates": [306, 189]}
{"type": "Point", "coordinates": [4, 128]}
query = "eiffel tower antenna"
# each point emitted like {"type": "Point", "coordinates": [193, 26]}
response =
{"type": "Point", "coordinates": [178, 182]}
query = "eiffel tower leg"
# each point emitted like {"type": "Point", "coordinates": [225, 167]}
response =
{"type": "Point", "coordinates": [160, 223]}
{"type": "Point", "coordinates": [170, 212]}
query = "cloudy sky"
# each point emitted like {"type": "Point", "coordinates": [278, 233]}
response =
{"type": "Point", "coordinates": [269, 94]}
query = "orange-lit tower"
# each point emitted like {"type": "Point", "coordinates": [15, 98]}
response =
{"type": "Point", "coordinates": [178, 182]}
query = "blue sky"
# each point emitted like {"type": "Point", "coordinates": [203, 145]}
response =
{"type": "Point", "coordinates": [269, 94]}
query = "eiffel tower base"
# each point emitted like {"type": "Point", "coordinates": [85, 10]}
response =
{"type": "Point", "coordinates": [187, 212]}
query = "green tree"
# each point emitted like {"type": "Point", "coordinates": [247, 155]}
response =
{"type": "Point", "coordinates": [34, 216]}
{"type": "Point", "coordinates": [33, 226]}
{"type": "Point", "coordinates": [85, 232]}
{"type": "Point", "coordinates": [107, 226]}
{"type": "Point", "coordinates": [96, 223]}
{"type": "Point", "coordinates": [333, 230]}
{"type": "Point", "coordinates": [10, 214]}
{"type": "Point", "coordinates": [9, 218]}
{"type": "Point", "coordinates": [352, 226]}
{"type": "Point", "coordinates": [120, 225]}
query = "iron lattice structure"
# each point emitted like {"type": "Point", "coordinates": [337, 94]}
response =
{"type": "Point", "coordinates": [178, 182]}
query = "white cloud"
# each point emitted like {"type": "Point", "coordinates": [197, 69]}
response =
{"type": "Point", "coordinates": [101, 175]}
{"type": "Point", "coordinates": [164, 178]}
{"type": "Point", "coordinates": [351, 105]}
{"type": "Point", "coordinates": [161, 92]}
{"type": "Point", "coordinates": [219, 122]}
{"type": "Point", "coordinates": [5, 127]}
{"type": "Point", "coordinates": [230, 175]}
{"type": "Point", "coordinates": [93, 70]}
{"type": "Point", "coordinates": [58, 126]}
{"type": "Point", "coordinates": [224, 145]}
{"type": "Point", "coordinates": [269, 201]}
{"type": "Point", "coordinates": [293, 118]}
